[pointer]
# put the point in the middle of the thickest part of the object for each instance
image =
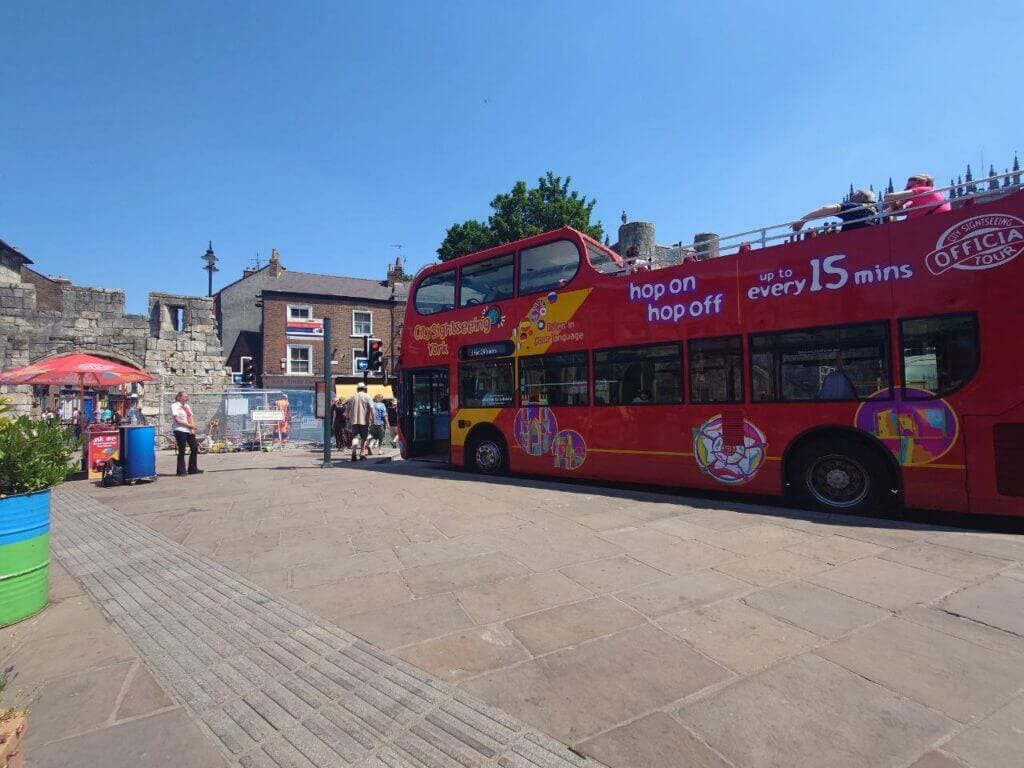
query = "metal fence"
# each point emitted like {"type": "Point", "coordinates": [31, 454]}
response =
{"type": "Point", "coordinates": [235, 418]}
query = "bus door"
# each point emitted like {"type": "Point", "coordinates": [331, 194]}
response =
{"type": "Point", "coordinates": [426, 424]}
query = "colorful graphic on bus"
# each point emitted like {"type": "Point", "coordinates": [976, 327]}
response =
{"type": "Point", "coordinates": [569, 449]}
{"type": "Point", "coordinates": [917, 430]}
{"type": "Point", "coordinates": [535, 428]}
{"type": "Point", "coordinates": [732, 464]}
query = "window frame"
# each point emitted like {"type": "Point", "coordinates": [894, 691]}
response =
{"type": "Point", "coordinates": [484, 361]}
{"type": "Point", "coordinates": [290, 307]}
{"type": "Point", "coordinates": [903, 368]}
{"type": "Point", "coordinates": [455, 301]}
{"type": "Point", "coordinates": [515, 274]}
{"type": "Point", "coordinates": [288, 360]}
{"type": "Point", "coordinates": [362, 312]}
{"type": "Point", "coordinates": [744, 395]}
{"type": "Point", "coordinates": [886, 346]}
{"type": "Point", "coordinates": [683, 384]}
{"type": "Point", "coordinates": [519, 267]}
{"type": "Point", "coordinates": [588, 378]}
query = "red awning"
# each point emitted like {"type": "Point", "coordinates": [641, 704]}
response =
{"type": "Point", "coordinates": [76, 369]}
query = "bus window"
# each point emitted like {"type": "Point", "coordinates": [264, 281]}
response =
{"type": "Point", "coordinates": [487, 281]}
{"type": "Point", "coordinates": [716, 370]}
{"type": "Point", "coordinates": [641, 375]}
{"type": "Point", "coordinates": [940, 354]}
{"type": "Point", "coordinates": [436, 293]}
{"type": "Point", "coordinates": [836, 363]}
{"type": "Point", "coordinates": [486, 384]}
{"type": "Point", "coordinates": [554, 380]}
{"type": "Point", "coordinates": [603, 261]}
{"type": "Point", "coordinates": [547, 267]}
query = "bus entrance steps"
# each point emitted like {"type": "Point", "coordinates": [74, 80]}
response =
{"type": "Point", "coordinates": [273, 684]}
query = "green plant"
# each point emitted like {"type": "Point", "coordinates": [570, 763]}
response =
{"type": "Point", "coordinates": [34, 455]}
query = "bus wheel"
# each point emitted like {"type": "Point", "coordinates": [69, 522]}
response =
{"type": "Point", "coordinates": [840, 475]}
{"type": "Point", "coordinates": [487, 454]}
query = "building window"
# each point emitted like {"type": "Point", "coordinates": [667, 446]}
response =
{"type": "Point", "coordinates": [716, 370]}
{"type": "Point", "coordinates": [436, 293]}
{"type": "Point", "coordinates": [487, 281]}
{"type": "Point", "coordinates": [555, 380]}
{"type": "Point", "coordinates": [486, 384]}
{"type": "Point", "coordinates": [639, 375]}
{"type": "Point", "coordinates": [362, 323]}
{"type": "Point", "coordinates": [548, 267]}
{"type": "Point", "coordinates": [836, 363]}
{"type": "Point", "coordinates": [176, 314]}
{"type": "Point", "coordinates": [300, 360]}
{"type": "Point", "coordinates": [940, 354]}
{"type": "Point", "coordinates": [300, 312]}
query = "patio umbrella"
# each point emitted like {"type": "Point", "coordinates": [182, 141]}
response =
{"type": "Point", "coordinates": [78, 369]}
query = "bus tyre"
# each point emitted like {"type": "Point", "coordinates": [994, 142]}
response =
{"type": "Point", "coordinates": [487, 454]}
{"type": "Point", "coordinates": [840, 475]}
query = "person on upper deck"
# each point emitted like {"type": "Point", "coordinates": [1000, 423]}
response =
{"type": "Point", "coordinates": [855, 213]}
{"type": "Point", "coordinates": [918, 198]}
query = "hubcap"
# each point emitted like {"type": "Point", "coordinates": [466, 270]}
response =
{"type": "Point", "coordinates": [838, 481]}
{"type": "Point", "coordinates": [488, 456]}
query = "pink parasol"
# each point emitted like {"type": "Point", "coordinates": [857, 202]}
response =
{"type": "Point", "coordinates": [76, 369]}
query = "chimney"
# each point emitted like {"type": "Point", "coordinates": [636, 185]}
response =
{"type": "Point", "coordinates": [396, 273]}
{"type": "Point", "coordinates": [247, 271]}
{"type": "Point", "coordinates": [275, 263]}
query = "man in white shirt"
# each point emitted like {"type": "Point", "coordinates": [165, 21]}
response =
{"type": "Point", "coordinates": [185, 434]}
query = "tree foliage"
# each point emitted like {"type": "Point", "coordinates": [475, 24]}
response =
{"type": "Point", "coordinates": [521, 213]}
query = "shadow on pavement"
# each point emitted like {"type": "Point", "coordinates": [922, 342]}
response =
{"type": "Point", "coordinates": [763, 505]}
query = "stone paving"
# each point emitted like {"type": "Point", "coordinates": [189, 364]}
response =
{"type": "Point", "coordinates": [275, 685]}
{"type": "Point", "coordinates": [642, 629]}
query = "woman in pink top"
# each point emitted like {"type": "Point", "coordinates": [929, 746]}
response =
{"type": "Point", "coordinates": [918, 198]}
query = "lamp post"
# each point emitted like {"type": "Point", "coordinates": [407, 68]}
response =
{"type": "Point", "coordinates": [211, 266]}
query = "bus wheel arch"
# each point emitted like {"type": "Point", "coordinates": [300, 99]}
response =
{"type": "Point", "coordinates": [486, 450]}
{"type": "Point", "coordinates": [835, 468]}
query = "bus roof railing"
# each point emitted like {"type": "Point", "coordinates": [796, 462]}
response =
{"type": "Point", "coordinates": [764, 237]}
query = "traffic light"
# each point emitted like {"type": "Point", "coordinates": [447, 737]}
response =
{"type": "Point", "coordinates": [248, 373]}
{"type": "Point", "coordinates": [376, 355]}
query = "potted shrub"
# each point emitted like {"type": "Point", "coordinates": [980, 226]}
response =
{"type": "Point", "coordinates": [34, 457]}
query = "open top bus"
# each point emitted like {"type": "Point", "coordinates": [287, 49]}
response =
{"type": "Point", "coordinates": [849, 370]}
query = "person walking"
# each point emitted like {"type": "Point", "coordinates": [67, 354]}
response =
{"type": "Point", "coordinates": [360, 418]}
{"type": "Point", "coordinates": [185, 434]}
{"type": "Point", "coordinates": [380, 422]}
{"type": "Point", "coordinates": [339, 424]}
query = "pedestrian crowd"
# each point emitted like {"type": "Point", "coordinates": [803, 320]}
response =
{"type": "Point", "coordinates": [362, 423]}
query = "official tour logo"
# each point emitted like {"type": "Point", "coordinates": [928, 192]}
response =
{"type": "Point", "coordinates": [981, 242]}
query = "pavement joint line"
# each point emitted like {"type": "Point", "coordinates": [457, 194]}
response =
{"type": "Point", "coordinates": [272, 684]}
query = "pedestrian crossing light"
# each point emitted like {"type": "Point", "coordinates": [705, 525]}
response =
{"type": "Point", "coordinates": [376, 355]}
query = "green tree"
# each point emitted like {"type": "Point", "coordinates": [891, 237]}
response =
{"type": "Point", "coordinates": [521, 213]}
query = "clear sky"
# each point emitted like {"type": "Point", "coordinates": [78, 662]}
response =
{"type": "Point", "coordinates": [134, 132]}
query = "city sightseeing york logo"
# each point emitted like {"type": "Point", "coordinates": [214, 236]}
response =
{"type": "Point", "coordinates": [982, 242]}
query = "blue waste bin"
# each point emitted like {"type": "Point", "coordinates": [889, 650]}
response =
{"type": "Point", "coordinates": [138, 453]}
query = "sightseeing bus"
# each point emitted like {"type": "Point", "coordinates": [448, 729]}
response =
{"type": "Point", "coordinates": [848, 370]}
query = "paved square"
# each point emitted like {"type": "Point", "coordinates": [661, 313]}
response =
{"type": "Point", "coordinates": [641, 629]}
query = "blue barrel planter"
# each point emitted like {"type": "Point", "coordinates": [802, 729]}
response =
{"type": "Point", "coordinates": [24, 555]}
{"type": "Point", "coordinates": [138, 452]}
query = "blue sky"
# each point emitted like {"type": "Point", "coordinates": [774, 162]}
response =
{"type": "Point", "coordinates": [135, 132]}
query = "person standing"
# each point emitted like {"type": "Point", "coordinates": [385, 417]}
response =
{"type": "Point", "coordinates": [360, 418]}
{"type": "Point", "coordinates": [185, 434]}
{"type": "Point", "coordinates": [135, 415]}
{"type": "Point", "coordinates": [380, 422]}
{"type": "Point", "coordinates": [340, 424]}
{"type": "Point", "coordinates": [285, 424]}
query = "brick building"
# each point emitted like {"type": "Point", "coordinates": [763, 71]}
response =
{"type": "Point", "coordinates": [275, 316]}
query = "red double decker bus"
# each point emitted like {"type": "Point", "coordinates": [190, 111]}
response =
{"type": "Point", "coordinates": [849, 370]}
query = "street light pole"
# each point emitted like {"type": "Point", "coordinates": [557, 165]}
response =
{"type": "Point", "coordinates": [211, 266]}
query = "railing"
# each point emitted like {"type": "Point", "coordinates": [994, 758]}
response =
{"type": "Point", "coordinates": [764, 237]}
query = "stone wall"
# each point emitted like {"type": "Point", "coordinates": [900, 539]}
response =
{"type": "Point", "coordinates": [93, 320]}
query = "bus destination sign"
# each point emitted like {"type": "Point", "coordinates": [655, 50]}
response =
{"type": "Point", "coordinates": [490, 349]}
